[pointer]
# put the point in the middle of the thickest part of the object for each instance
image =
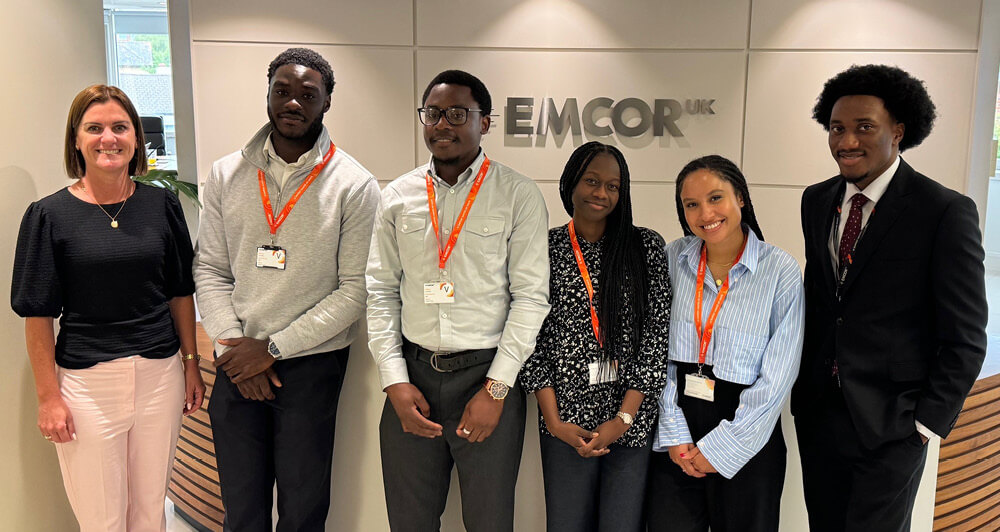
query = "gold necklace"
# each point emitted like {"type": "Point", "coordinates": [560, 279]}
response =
{"type": "Point", "coordinates": [114, 221]}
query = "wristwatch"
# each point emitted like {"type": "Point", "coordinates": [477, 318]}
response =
{"type": "Point", "coordinates": [273, 350]}
{"type": "Point", "coordinates": [497, 390]}
{"type": "Point", "coordinates": [625, 417]}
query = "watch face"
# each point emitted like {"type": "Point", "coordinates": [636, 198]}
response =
{"type": "Point", "coordinates": [498, 390]}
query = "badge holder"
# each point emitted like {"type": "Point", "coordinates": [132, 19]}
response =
{"type": "Point", "coordinates": [440, 292]}
{"type": "Point", "coordinates": [271, 257]}
{"type": "Point", "coordinates": [699, 386]}
{"type": "Point", "coordinates": [603, 371]}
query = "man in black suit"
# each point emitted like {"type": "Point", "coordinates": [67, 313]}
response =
{"type": "Point", "coordinates": [895, 307]}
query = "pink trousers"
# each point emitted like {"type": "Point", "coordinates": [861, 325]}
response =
{"type": "Point", "coordinates": [127, 414]}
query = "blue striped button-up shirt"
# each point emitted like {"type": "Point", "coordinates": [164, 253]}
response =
{"type": "Point", "coordinates": [757, 341]}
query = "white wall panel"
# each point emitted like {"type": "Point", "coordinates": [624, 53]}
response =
{"type": "Point", "coordinates": [784, 145]}
{"type": "Point", "coordinates": [871, 24]}
{"type": "Point", "coordinates": [55, 49]}
{"type": "Point", "coordinates": [303, 21]}
{"type": "Point", "coordinates": [369, 116]}
{"type": "Point", "coordinates": [777, 211]}
{"type": "Point", "coordinates": [585, 75]}
{"type": "Point", "coordinates": [583, 23]}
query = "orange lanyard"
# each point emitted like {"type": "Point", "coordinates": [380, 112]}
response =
{"type": "Point", "coordinates": [266, 198]}
{"type": "Point", "coordinates": [462, 215]}
{"type": "Point", "coordinates": [578, 254]}
{"type": "Point", "coordinates": [706, 337]}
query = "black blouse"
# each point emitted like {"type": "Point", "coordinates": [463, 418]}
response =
{"type": "Point", "coordinates": [566, 344]}
{"type": "Point", "coordinates": [109, 287]}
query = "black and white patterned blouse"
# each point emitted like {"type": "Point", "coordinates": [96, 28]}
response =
{"type": "Point", "coordinates": [566, 344]}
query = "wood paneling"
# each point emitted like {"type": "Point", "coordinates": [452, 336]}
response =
{"type": "Point", "coordinates": [968, 488]}
{"type": "Point", "coordinates": [194, 484]}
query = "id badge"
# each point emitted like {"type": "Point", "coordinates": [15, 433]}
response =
{"type": "Point", "coordinates": [603, 371]}
{"type": "Point", "coordinates": [271, 257]}
{"type": "Point", "coordinates": [439, 292]}
{"type": "Point", "coordinates": [699, 387]}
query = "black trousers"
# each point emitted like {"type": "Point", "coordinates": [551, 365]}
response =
{"type": "Point", "coordinates": [748, 502]}
{"type": "Point", "coordinates": [849, 487]}
{"type": "Point", "coordinates": [416, 471]}
{"type": "Point", "coordinates": [288, 440]}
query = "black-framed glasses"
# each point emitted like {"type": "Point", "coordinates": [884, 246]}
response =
{"type": "Point", "coordinates": [455, 115]}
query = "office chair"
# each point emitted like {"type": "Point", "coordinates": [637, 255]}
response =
{"type": "Point", "coordinates": [152, 129]}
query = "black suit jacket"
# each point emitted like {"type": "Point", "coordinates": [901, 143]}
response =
{"type": "Point", "coordinates": [908, 330]}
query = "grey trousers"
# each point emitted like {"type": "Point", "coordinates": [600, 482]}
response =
{"type": "Point", "coordinates": [416, 471]}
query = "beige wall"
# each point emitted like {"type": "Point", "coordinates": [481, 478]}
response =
{"type": "Point", "coordinates": [52, 49]}
{"type": "Point", "coordinates": [763, 62]}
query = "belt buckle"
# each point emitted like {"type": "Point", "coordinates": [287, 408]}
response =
{"type": "Point", "coordinates": [434, 363]}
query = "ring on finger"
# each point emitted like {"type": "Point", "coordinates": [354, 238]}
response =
{"type": "Point", "coordinates": [466, 431]}
{"type": "Point", "coordinates": [47, 437]}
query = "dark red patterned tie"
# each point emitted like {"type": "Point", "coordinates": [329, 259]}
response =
{"type": "Point", "coordinates": [852, 230]}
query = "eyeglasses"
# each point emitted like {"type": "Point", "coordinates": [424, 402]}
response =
{"type": "Point", "coordinates": [456, 116]}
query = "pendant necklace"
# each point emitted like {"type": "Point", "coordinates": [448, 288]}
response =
{"type": "Point", "coordinates": [114, 221]}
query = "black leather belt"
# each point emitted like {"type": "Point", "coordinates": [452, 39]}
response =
{"type": "Point", "coordinates": [448, 362]}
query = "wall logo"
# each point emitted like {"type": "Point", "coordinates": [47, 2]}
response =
{"type": "Point", "coordinates": [600, 117]}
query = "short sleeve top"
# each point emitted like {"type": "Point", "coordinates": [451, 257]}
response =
{"type": "Point", "coordinates": [108, 286]}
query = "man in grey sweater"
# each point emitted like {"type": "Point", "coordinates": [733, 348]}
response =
{"type": "Point", "coordinates": [279, 270]}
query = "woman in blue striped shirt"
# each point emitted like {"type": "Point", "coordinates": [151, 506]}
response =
{"type": "Point", "coordinates": [735, 343]}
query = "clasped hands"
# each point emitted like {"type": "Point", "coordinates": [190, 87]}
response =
{"type": "Point", "coordinates": [589, 444]}
{"type": "Point", "coordinates": [480, 417]}
{"type": "Point", "coordinates": [249, 366]}
{"type": "Point", "coordinates": [690, 460]}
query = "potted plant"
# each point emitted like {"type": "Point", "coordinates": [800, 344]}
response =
{"type": "Point", "coordinates": [168, 179]}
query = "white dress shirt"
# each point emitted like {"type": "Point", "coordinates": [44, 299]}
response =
{"type": "Point", "coordinates": [499, 267]}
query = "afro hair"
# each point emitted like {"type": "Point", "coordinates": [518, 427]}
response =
{"type": "Point", "coordinates": [307, 58]}
{"type": "Point", "coordinates": [904, 97]}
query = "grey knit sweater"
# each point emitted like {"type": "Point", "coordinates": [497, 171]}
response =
{"type": "Point", "coordinates": [313, 304]}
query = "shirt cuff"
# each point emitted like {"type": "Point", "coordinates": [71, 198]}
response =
{"type": "Point", "coordinates": [928, 433]}
{"type": "Point", "coordinates": [671, 430]}
{"type": "Point", "coordinates": [504, 369]}
{"type": "Point", "coordinates": [726, 454]}
{"type": "Point", "coordinates": [393, 371]}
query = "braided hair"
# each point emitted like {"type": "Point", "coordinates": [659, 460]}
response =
{"type": "Point", "coordinates": [727, 171]}
{"type": "Point", "coordinates": [623, 276]}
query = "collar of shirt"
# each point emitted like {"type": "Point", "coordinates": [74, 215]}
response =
{"type": "Point", "coordinates": [874, 190]}
{"type": "Point", "coordinates": [281, 170]}
{"type": "Point", "coordinates": [691, 255]}
{"type": "Point", "coordinates": [471, 171]}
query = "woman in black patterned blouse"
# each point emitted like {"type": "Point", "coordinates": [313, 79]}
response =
{"type": "Point", "coordinates": [600, 359]}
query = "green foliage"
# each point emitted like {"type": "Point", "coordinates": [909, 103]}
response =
{"type": "Point", "coordinates": [160, 44]}
{"type": "Point", "coordinates": [168, 179]}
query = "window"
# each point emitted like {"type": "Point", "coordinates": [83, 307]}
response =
{"type": "Point", "coordinates": [138, 50]}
